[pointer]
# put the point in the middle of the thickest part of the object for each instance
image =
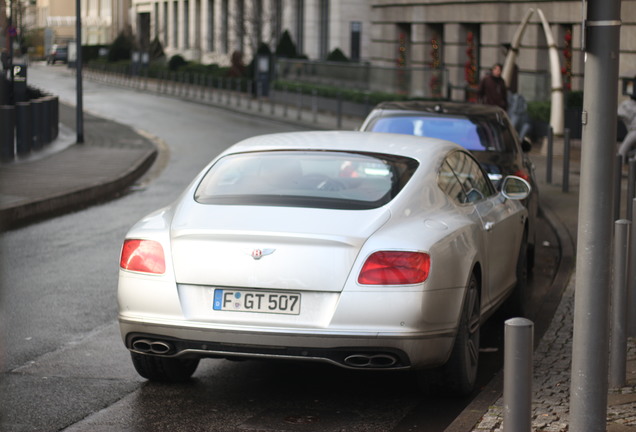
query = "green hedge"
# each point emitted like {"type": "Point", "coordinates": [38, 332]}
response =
{"type": "Point", "coordinates": [333, 92]}
{"type": "Point", "coordinates": [540, 110]}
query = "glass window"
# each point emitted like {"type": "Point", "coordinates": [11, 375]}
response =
{"type": "Point", "coordinates": [340, 180]}
{"type": "Point", "coordinates": [472, 134]}
{"type": "Point", "coordinates": [474, 182]}
{"type": "Point", "coordinates": [449, 183]}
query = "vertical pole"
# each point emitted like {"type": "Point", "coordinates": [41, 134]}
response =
{"type": "Point", "coordinates": [339, 110]}
{"type": "Point", "coordinates": [518, 344]}
{"type": "Point", "coordinates": [631, 181]}
{"type": "Point", "coordinates": [618, 178]}
{"type": "Point", "coordinates": [618, 339]}
{"type": "Point", "coordinates": [548, 170]}
{"type": "Point", "coordinates": [314, 105]}
{"type": "Point", "coordinates": [631, 280]}
{"type": "Point", "coordinates": [590, 345]}
{"type": "Point", "coordinates": [565, 185]}
{"type": "Point", "coordinates": [299, 103]}
{"type": "Point", "coordinates": [79, 109]}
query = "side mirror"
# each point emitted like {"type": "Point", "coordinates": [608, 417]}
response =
{"type": "Point", "coordinates": [515, 188]}
{"type": "Point", "coordinates": [526, 144]}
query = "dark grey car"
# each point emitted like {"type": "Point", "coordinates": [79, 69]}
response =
{"type": "Point", "coordinates": [485, 130]}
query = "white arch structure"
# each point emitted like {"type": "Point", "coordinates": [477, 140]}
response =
{"type": "Point", "coordinates": [557, 101]}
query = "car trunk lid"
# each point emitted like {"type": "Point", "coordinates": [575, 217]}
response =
{"type": "Point", "coordinates": [270, 247]}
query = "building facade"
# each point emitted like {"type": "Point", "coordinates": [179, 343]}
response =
{"type": "Point", "coordinates": [466, 37]}
{"type": "Point", "coordinates": [102, 20]}
{"type": "Point", "coordinates": [209, 31]}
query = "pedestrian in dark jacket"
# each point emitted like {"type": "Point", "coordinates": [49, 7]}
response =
{"type": "Point", "coordinates": [492, 89]}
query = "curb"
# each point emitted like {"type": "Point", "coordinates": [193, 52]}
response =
{"type": "Point", "coordinates": [73, 200]}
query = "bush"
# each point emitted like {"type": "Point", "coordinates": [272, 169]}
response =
{"type": "Point", "coordinates": [574, 99]}
{"type": "Point", "coordinates": [357, 96]}
{"type": "Point", "coordinates": [286, 47]}
{"type": "Point", "coordinates": [337, 56]}
{"type": "Point", "coordinates": [539, 110]}
{"type": "Point", "coordinates": [176, 62]}
{"type": "Point", "coordinates": [121, 48]}
{"type": "Point", "coordinates": [156, 50]}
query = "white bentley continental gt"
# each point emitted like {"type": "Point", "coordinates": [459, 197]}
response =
{"type": "Point", "coordinates": [363, 250]}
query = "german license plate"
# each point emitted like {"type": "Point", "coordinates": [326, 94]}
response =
{"type": "Point", "coordinates": [256, 301]}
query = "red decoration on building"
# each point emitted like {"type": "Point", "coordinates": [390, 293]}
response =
{"type": "Point", "coordinates": [401, 62]}
{"type": "Point", "coordinates": [435, 82]}
{"type": "Point", "coordinates": [566, 70]}
{"type": "Point", "coordinates": [470, 67]}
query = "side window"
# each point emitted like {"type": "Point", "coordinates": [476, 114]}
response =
{"type": "Point", "coordinates": [450, 185]}
{"type": "Point", "coordinates": [474, 183]}
{"type": "Point", "coordinates": [510, 138]}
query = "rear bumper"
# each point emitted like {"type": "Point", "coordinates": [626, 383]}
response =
{"type": "Point", "coordinates": [354, 351]}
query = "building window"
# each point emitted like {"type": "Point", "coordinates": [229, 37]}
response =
{"type": "Point", "coordinates": [257, 19]}
{"type": "Point", "coordinates": [240, 24]}
{"type": "Point", "coordinates": [323, 25]}
{"type": "Point", "coordinates": [356, 36]}
{"type": "Point", "coordinates": [211, 27]}
{"type": "Point", "coordinates": [300, 26]}
{"type": "Point", "coordinates": [156, 20]}
{"type": "Point", "coordinates": [197, 24]}
{"type": "Point", "coordinates": [278, 19]}
{"type": "Point", "coordinates": [186, 24]}
{"type": "Point", "coordinates": [225, 42]}
{"type": "Point", "coordinates": [166, 42]}
{"type": "Point", "coordinates": [175, 24]}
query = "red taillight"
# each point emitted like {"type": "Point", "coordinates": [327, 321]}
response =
{"type": "Point", "coordinates": [143, 256]}
{"type": "Point", "coordinates": [395, 268]}
{"type": "Point", "coordinates": [524, 175]}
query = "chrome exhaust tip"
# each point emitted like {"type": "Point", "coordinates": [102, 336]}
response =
{"type": "Point", "coordinates": [152, 347]}
{"type": "Point", "coordinates": [371, 360]}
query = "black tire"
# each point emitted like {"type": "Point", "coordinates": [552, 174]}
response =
{"type": "Point", "coordinates": [164, 369]}
{"type": "Point", "coordinates": [460, 372]}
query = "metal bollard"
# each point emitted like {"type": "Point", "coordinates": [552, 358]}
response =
{"type": "Point", "coordinates": [314, 105]}
{"type": "Point", "coordinates": [518, 345]}
{"type": "Point", "coordinates": [339, 111]}
{"type": "Point", "coordinates": [45, 125]}
{"type": "Point", "coordinates": [548, 169]}
{"type": "Point", "coordinates": [237, 89]}
{"type": "Point", "coordinates": [618, 178]}
{"type": "Point", "coordinates": [24, 130]}
{"type": "Point", "coordinates": [631, 281]}
{"type": "Point", "coordinates": [299, 103]}
{"type": "Point", "coordinates": [7, 132]}
{"type": "Point", "coordinates": [55, 117]}
{"type": "Point", "coordinates": [631, 179]}
{"type": "Point", "coordinates": [37, 108]}
{"type": "Point", "coordinates": [272, 106]}
{"type": "Point", "coordinates": [618, 334]}
{"type": "Point", "coordinates": [566, 161]}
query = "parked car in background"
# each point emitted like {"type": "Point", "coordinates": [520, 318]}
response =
{"type": "Point", "coordinates": [361, 250]}
{"type": "Point", "coordinates": [485, 130]}
{"type": "Point", "coordinates": [57, 53]}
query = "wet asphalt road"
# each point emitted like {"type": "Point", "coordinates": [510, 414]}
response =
{"type": "Point", "coordinates": [65, 368]}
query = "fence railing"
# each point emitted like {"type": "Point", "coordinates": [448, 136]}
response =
{"type": "Point", "coordinates": [430, 83]}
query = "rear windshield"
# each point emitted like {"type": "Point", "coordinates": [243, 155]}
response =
{"type": "Point", "coordinates": [317, 179]}
{"type": "Point", "coordinates": [476, 135]}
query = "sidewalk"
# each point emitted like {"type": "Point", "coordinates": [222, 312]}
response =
{"type": "Point", "coordinates": [552, 356]}
{"type": "Point", "coordinates": [70, 176]}
{"type": "Point", "coordinates": [67, 176]}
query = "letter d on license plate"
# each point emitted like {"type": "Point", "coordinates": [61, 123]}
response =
{"type": "Point", "coordinates": [256, 301]}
